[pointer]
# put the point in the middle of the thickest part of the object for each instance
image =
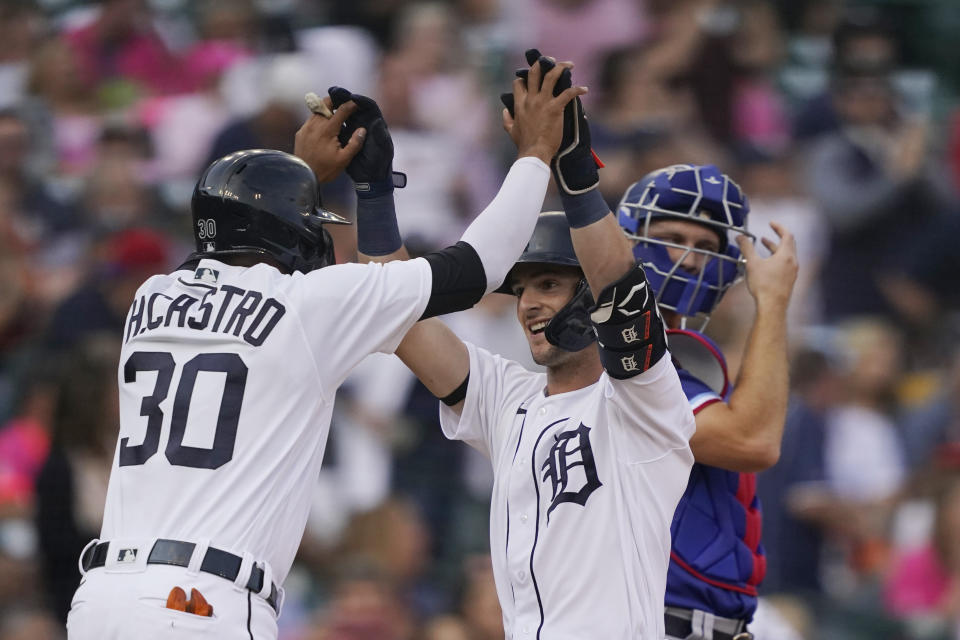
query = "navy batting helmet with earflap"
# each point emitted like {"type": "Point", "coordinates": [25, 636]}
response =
{"type": "Point", "coordinates": [262, 201]}
{"type": "Point", "coordinates": [570, 329]}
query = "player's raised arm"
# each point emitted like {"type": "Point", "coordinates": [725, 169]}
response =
{"type": "Point", "coordinates": [744, 434]}
{"type": "Point", "coordinates": [628, 325]}
{"type": "Point", "coordinates": [604, 253]}
{"type": "Point", "coordinates": [477, 264]}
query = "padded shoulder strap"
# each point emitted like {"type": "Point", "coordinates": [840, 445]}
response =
{"type": "Point", "coordinates": [699, 355]}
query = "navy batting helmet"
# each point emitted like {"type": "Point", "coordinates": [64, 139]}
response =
{"type": "Point", "coordinates": [570, 329]}
{"type": "Point", "coordinates": [262, 201]}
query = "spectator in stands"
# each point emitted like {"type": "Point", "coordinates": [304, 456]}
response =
{"type": "Point", "coordinates": [922, 289]}
{"type": "Point", "coordinates": [864, 177]}
{"type": "Point", "coordinates": [21, 25]}
{"type": "Point", "coordinates": [586, 30]}
{"type": "Point", "coordinates": [273, 126]}
{"type": "Point", "coordinates": [440, 121]}
{"type": "Point", "coordinates": [478, 615]}
{"type": "Point", "coordinates": [758, 111]}
{"type": "Point", "coordinates": [64, 108]}
{"type": "Point", "coordinates": [19, 304]}
{"type": "Point", "coordinates": [394, 538]}
{"type": "Point", "coordinates": [935, 424]}
{"type": "Point", "coordinates": [770, 176]}
{"type": "Point", "coordinates": [924, 584]}
{"type": "Point", "coordinates": [118, 193]}
{"type": "Point", "coordinates": [863, 455]}
{"type": "Point", "coordinates": [183, 127]}
{"type": "Point", "coordinates": [25, 437]}
{"type": "Point", "coordinates": [798, 506]}
{"type": "Point", "coordinates": [862, 43]}
{"type": "Point", "coordinates": [30, 624]}
{"type": "Point", "coordinates": [100, 305]}
{"type": "Point", "coordinates": [39, 217]}
{"type": "Point", "coordinates": [364, 606]}
{"type": "Point", "coordinates": [72, 486]}
{"type": "Point", "coordinates": [24, 443]}
{"type": "Point", "coordinates": [121, 46]}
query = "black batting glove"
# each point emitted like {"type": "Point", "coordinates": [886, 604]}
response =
{"type": "Point", "coordinates": [372, 168]}
{"type": "Point", "coordinates": [575, 167]}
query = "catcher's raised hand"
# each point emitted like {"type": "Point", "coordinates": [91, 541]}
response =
{"type": "Point", "coordinates": [535, 123]}
{"type": "Point", "coordinates": [770, 279]}
{"type": "Point", "coordinates": [318, 144]}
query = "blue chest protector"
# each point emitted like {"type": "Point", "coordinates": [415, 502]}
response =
{"type": "Point", "coordinates": [716, 560]}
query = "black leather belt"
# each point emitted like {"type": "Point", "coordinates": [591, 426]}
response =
{"type": "Point", "coordinates": [178, 553]}
{"type": "Point", "coordinates": [678, 625]}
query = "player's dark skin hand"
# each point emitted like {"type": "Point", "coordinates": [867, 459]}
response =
{"type": "Point", "coordinates": [317, 143]}
{"type": "Point", "coordinates": [536, 125]}
{"type": "Point", "coordinates": [546, 64]}
{"type": "Point", "coordinates": [374, 162]}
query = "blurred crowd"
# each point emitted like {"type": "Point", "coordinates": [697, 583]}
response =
{"type": "Point", "coordinates": [834, 116]}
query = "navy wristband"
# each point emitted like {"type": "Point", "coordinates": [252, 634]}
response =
{"type": "Point", "coordinates": [373, 189]}
{"type": "Point", "coordinates": [377, 230]}
{"type": "Point", "coordinates": [585, 208]}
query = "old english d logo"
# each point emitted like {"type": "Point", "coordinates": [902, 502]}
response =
{"type": "Point", "coordinates": [570, 468]}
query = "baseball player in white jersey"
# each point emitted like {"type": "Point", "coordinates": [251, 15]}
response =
{"type": "Point", "coordinates": [229, 367]}
{"type": "Point", "coordinates": [591, 457]}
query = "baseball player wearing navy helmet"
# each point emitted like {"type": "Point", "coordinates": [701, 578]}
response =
{"type": "Point", "coordinates": [229, 367]}
{"type": "Point", "coordinates": [590, 457]}
{"type": "Point", "coordinates": [688, 225]}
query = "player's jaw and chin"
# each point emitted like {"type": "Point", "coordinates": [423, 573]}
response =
{"type": "Point", "coordinates": [551, 356]}
{"type": "Point", "coordinates": [542, 309]}
{"type": "Point", "coordinates": [543, 353]}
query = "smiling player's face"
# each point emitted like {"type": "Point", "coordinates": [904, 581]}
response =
{"type": "Point", "coordinates": [542, 290]}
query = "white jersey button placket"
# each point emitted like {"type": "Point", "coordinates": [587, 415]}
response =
{"type": "Point", "coordinates": [523, 493]}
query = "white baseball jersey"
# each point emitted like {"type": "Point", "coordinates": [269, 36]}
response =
{"type": "Point", "coordinates": [227, 379]}
{"type": "Point", "coordinates": [586, 483]}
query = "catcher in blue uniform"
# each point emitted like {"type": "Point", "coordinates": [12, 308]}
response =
{"type": "Point", "coordinates": [688, 224]}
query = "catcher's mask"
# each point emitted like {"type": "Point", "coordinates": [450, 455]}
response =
{"type": "Point", "coordinates": [570, 329]}
{"type": "Point", "coordinates": [262, 201]}
{"type": "Point", "coordinates": [689, 193]}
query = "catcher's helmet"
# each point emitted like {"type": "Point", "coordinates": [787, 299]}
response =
{"type": "Point", "coordinates": [262, 201]}
{"type": "Point", "coordinates": [700, 194]}
{"type": "Point", "coordinates": [570, 329]}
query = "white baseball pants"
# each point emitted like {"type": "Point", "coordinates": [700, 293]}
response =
{"type": "Point", "coordinates": [126, 602]}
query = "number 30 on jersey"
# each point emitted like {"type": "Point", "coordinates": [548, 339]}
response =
{"type": "Point", "coordinates": [176, 452]}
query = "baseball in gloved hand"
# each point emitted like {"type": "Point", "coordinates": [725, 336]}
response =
{"type": "Point", "coordinates": [575, 165]}
{"type": "Point", "coordinates": [372, 168]}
